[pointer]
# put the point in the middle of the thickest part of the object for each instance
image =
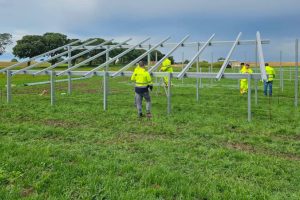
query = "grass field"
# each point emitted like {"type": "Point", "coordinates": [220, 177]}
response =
{"type": "Point", "coordinates": [203, 150]}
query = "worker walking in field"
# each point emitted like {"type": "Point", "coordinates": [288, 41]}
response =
{"type": "Point", "coordinates": [143, 83]}
{"type": "Point", "coordinates": [244, 82]}
{"type": "Point", "coordinates": [166, 67]}
{"type": "Point", "coordinates": [268, 84]}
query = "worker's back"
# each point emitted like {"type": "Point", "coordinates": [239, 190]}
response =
{"type": "Point", "coordinates": [141, 77]}
{"type": "Point", "coordinates": [270, 73]}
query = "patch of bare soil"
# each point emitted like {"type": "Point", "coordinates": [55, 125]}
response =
{"type": "Point", "coordinates": [59, 123]}
{"type": "Point", "coordinates": [27, 192]}
{"type": "Point", "coordinates": [256, 150]}
{"type": "Point", "coordinates": [131, 138]}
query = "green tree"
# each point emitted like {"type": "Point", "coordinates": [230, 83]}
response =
{"type": "Point", "coordinates": [29, 46]}
{"type": "Point", "coordinates": [96, 51]}
{"type": "Point", "coordinates": [221, 59]}
{"type": "Point", "coordinates": [53, 41]}
{"type": "Point", "coordinates": [5, 40]}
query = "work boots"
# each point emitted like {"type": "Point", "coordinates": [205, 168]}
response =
{"type": "Point", "coordinates": [148, 115]}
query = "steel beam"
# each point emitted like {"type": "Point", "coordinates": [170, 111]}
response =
{"type": "Point", "coordinates": [256, 88]}
{"type": "Point", "coordinates": [204, 75]}
{"type": "Point", "coordinates": [168, 54]}
{"type": "Point", "coordinates": [35, 57]}
{"type": "Point", "coordinates": [187, 67]}
{"type": "Point", "coordinates": [73, 57]}
{"type": "Point", "coordinates": [261, 57]}
{"type": "Point", "coordinates": [51, 58]}
{"type": "Point", "coordinates": [52, 88]}
{"type": "Point", "coordinates": [69, 66]}
{"type": "Point", "coordinates": [139, 58]}
{"type": "Point", "coordinates": [56, 81]}
{"type": "Point", "coordinates": [281, 72]}
{"type": "Point", "coordinates": [197, 80]}
{"type": "Point", "coordinates": [225, 63]}
{"type": "Point", "coordinates": [296, 72]}
{"type": "Point", "coordinates": [105, 77]}
{"type": "Point", "coordinates": [8, 86]}
{"type": "Point", "coordinates": [92, 58]}
{"type": "Point", "coordinates": [249, 97]}
{"type": "Point", "coordinates": [115, 58]}
{"type": "Point", "coordinates": [169, 92]}
{"type": "Point", "coordinates": [194, 44]}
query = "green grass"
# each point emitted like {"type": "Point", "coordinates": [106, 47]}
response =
{"type": "Point", "coordinates": [203, 150]}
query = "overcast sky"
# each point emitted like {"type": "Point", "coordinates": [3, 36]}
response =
{"type": "Point", "coordinates": [277, 20]}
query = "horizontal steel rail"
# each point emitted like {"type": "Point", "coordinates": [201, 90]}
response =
{"type": "Point", "coordinates": [195, 44]}
{"type": "Point", "coordinates": [256, 76]}
{"type": "Point", "coordinates": [56, 81]}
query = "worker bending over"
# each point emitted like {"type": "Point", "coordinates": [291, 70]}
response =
{"type": "Point", "coordinates": [244, 82]}
{"type": "Point", "coordinates": [269, 82]}
{"type": "Point", "coordinates": [143, 83]}
{"type": "Point", "coordinates": [166, 67]}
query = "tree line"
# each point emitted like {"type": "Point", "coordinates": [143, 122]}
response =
{"type": "Point", "coordinates": [32, 45]}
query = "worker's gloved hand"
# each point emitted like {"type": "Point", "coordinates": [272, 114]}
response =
{"type": "Point", "coordinates": [151, 87]}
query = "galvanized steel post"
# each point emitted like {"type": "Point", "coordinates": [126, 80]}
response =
{"type": "Point", "coordinates": [182, 62]}
{"type": "Point", "coordinates": [105, 91]}
{"type": "Point", "coordinates": [197, 80]}
{"type": "Point", "coordinates": [149, 57]}
{"type": "Point", "coordinates": [169, 93]}
{"type": "Point", "coordinates": [8, 86]}
{"type": "Point", "coordinates": [106, 77]}
{"type": "Point", "coordinates": [52, 87]}
{"type": "Point", "coordinates": [281, 72]}
{"type": "Point", "coordinates": [211, 66]}
{"type": "Point", "coordinates": [69, 75]}
{"type": "Point", "coordinates": [107, 58]}
{"type": "Point", "coordinates": [256, 88]}
{"type": "Point", "coordinates": [296, 72]}
{"type": "Point", "coordinates": [249, 98]}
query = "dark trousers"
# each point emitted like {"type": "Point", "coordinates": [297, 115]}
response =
{"type": "Point", "coordinates": [139, 99]}
{"type": "Point", "coordinates": [268, 85]}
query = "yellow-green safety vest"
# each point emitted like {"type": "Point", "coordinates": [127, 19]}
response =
{"type": "Point", "coordinates": [270, 73]}
{"type": "Point", "coordinates": [141, 77]}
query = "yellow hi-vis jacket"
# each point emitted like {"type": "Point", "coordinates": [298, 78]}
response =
{"type": "Point", "coordinates": [141, 77]}
{"type": "Point", "coordinates": [166, 66]}
{"type": "Point", "coordinates": [270, 73]}
{"type": "Point", "coordinates": [244, 70]}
